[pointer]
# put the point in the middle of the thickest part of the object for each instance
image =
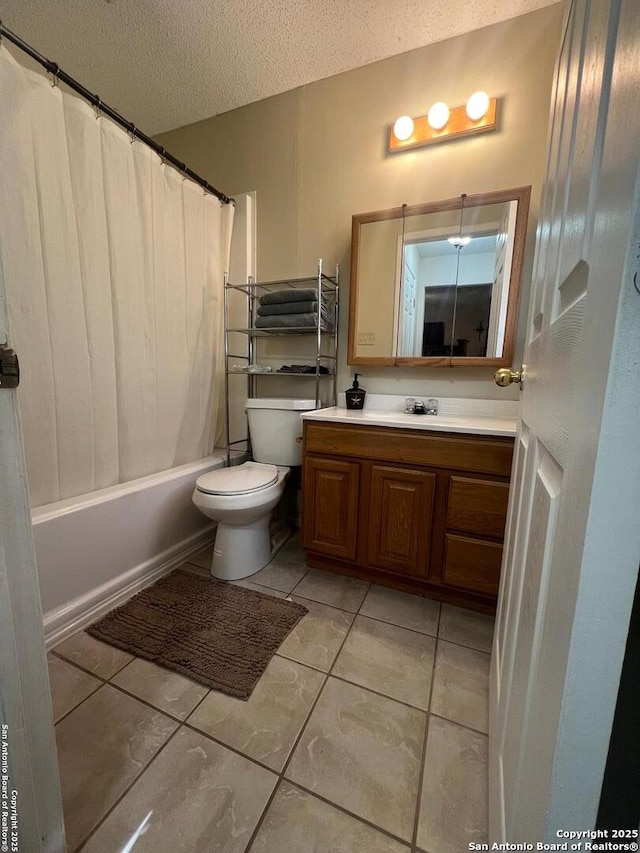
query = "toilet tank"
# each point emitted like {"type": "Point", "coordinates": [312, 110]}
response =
{"type": "Point", "coordinates": [274, 427]}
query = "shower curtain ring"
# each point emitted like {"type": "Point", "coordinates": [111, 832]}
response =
{"type": "Point", "coordinates": [163, 159]}
{"type": "Point", "coordinates": [184, 172]}
{"type": "Point", "coordinates": [97, 107]}
{"type": "Point", "coordinates": [132, 133]}
{"type": "Point", "coordinates": [55, 70]}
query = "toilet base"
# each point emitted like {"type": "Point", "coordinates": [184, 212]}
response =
{"type": "Point", "coordinates": [241, 550]}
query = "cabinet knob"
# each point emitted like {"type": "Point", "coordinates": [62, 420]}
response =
{"type": "Point", "coordinates": [505, 376]}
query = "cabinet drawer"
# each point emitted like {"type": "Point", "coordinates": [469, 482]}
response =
{"type": "Point", "coordinates": [477, 506]}
{"type": "Point", "coordinates": [484, 454]}
{"type": "Point", "coordinates": [472, 564]}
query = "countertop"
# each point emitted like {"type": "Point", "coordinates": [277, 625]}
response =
{"type": "Point", "coordinates": [475, 417]}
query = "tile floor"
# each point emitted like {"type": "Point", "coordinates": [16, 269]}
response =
{"type": "Point", "coordinates": [366, 734]}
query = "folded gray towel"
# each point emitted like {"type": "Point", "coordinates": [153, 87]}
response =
{"type": "Point", "coordinates": [290, 308]}
{"type": "Point", "coordinates": [282, 321]}
{"type": "Point", "coordinates": [290, 294]}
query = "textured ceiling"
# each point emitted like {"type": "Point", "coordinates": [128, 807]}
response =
{"type": "Point", "coordinates": [167, 63]}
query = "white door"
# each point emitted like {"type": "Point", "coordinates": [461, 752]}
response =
{"type": "Point", "coordinates": [26, 717]}
{"type": "Point", "coordinates": [573, 537]}
{"type": "Point", "coordinates": [501, 281]}
{"type": "Point", "coordinates": [408, 305]}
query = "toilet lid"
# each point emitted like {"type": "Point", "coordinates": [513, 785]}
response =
{"type": "Point", "coordinates": [237, 480]}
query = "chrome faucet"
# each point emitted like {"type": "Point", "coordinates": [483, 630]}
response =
{"type": "Point", "coordinates": [419, 407]}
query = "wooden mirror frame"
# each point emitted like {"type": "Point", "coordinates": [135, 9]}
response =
{"type": "Point", "coordinates": [520, 194]}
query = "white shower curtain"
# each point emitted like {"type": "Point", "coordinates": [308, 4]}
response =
{"type": "Point", "coordinates": [114, 266]}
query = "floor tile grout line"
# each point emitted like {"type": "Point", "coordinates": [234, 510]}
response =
{"type": "Point", "coordinates": [350, 814]}
{"type": "Point", "coordinates": [416, 818]}
{"type": "Point", "coordinates": [88, 671]}
{"type": "Point", "coordinates": [298, 738]}
{"type": "Point", "coordinates": [81, 702]}
{"type": "Point", "coordinates": [150, 705]}
{"type": "Point", "coordinates": [263, 814]}
{"type": "Point", "coordinates": [329, 675]}
{"type": "Point", "coordinates": [185, 724]}
{"type": "Point", "coordinates": [324, 603]}
{"type": "Point", "coordinates": [136, 779]}
{"type": "Point", "coordinates": [317, 699]}
{"type": "Point", "coordinates": [462, 725]}
{"type": "Point", "coordinates": [337, 607]}
{"type": "Point", "coordinates": [278, 653]}
{"type": "Point", "coordinates": [185, 721]}
{"type": "Point", "coordinates": [395, 625]}
{"type": "Point", "coordinates": [441, 715]}
{"type": "Point", "coordinates": [464, 646]}
{"type": "Point", "coordinates": [358, 612]}
{"type": "Point", "coordinates": [281, 775]}
{"type": "Point", "coordinates": [325, 673]}
{"type": "Point", "coordinates": [382, 695]}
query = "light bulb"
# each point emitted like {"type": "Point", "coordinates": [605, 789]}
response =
{"type": "Point", "coordinates": [438, 115]}
{"type": "Point", "coordinates": [459, 242]}
{"type": "Point", "coordinates": [403, 128]}
{"type": "Point", "coordinates": [477, 105]}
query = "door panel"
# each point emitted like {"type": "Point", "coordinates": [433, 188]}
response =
{"type": "Point", "coordinates": [514, 512]}
{"type": "Point", "coordinates": [553, 679]}
{"type": "Point", "coordinates": [331, 506]}
{"type": "Point", "coordinates": [547, 487]}
{"type": "Point", "coordinates": [401, 508]}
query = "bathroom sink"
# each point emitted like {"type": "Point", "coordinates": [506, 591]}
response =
{"type": "Point", "coordinates": [479, 417]}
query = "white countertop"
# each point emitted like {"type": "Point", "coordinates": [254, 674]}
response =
{"type": "Point", "coordinates": [476, 417]}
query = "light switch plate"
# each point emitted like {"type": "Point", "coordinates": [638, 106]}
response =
{"type": "Point", "coordinates": [366, 338]}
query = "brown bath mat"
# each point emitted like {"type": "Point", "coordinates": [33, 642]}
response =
{"type": "Point", "coordinates": [217, 634]}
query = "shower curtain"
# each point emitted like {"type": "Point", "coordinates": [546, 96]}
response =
{"type": "Point", "coordinates": [113, 265]}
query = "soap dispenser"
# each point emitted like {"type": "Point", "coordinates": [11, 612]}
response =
{"type": "Point", "coordinates": [355, 395]}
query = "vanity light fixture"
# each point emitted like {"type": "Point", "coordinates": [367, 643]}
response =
{"type": "Point", "coordinates": [478, 115]}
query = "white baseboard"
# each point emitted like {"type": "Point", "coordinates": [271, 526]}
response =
{"type": "Point", "coordinates": [77, 614]}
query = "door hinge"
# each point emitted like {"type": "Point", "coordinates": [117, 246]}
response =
{"type": "Point", "coordinates": [9, 368]}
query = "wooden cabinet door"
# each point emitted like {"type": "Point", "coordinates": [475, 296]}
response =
{"type": "Point", "coordinates": [331, 506]}
{"type": "Point", "coordinates": [400, 519]}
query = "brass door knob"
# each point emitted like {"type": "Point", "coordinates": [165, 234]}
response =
{"type": "Point", "coordinates": [504, 377]}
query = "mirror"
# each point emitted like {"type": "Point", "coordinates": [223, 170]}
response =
{"type": "Point", "coordinates": [437, 284]}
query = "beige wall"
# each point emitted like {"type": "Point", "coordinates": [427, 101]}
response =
{"type": "Point", "coordinates": [317, 155]}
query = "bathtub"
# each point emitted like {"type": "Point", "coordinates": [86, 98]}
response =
{"type": "Point", "coordinates": [95, 551]}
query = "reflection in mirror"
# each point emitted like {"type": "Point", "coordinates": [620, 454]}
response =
{"type": "Point", "coordinates": [438, 281]}
{"type": "Point", "coordinates": [453, 287]}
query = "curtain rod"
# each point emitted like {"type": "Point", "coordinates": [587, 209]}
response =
{"type": "Point", "coordinates": [69, 81]}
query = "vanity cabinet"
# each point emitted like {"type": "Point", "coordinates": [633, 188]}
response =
{"type": "Point", "coordinates": [400, 515]}
{"type": "Point", "coordinates": [331, 494]}
{"type": "Point", "coordinates": [418, 510]}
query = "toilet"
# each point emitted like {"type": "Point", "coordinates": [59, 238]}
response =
{"type": "Point", "coordinates": [241, 498]}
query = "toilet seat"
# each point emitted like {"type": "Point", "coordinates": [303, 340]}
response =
{"type": "Point", "coordinates": [238, 480]}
